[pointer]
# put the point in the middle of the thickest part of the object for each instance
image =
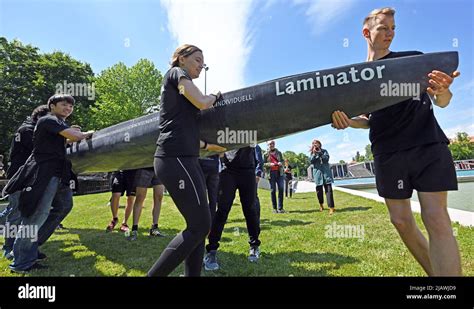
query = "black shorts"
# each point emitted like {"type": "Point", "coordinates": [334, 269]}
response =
{"type": "Point", "coordinates": [426, 168]}
{"type": "Point", "coordinates": [146, 178]}
{"type": "Point", "coordinates": [124, 181]}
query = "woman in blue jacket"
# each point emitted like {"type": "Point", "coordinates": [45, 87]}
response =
{"type": "Point", "coordinates": [322, 175]}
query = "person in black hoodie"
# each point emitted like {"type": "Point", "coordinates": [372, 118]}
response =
{"type": "Point", "coordinates": [238, 174]}
{"type": "Point", "coordinates": [46, 196]}
{"type": "Point", "coordinates": [20, 149]}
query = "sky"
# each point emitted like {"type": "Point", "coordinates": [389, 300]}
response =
{"type": "Point", "coordinates": [246, 42]}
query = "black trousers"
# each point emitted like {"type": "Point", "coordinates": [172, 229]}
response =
{"type": "Point", "coordinates": [276, 181]}
{"type": "Point", "coordinates": [288, 187]}
{"type": "Point", "coordinates": [211, 177]}
{"type": "Point", "coordinates": [329, 195]}
{"type": "Point", "coordinates": [257, 202]}
{"type": "Point", "coordinates": [229, 183]}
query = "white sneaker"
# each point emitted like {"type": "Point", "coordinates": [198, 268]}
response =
{"type": "Point", "coordinates": [210, 261]}
{"type": "Point", "coordinates": [254, 254]}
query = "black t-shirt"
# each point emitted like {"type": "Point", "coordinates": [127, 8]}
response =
{"type": "Point", "coordinates": [49, 145]}
{"type": "Point", "coordinates": [179, 131]}
{"type": "Point", "coordinates": [404, 125]}
{"type": "Point", "coordinates": [21, 147]}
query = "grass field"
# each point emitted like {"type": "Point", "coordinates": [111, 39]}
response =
{"type": "Point", "coordinates": [293, 244]}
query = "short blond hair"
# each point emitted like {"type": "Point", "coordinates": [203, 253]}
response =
{"type": "Point", "coordinates": [369, 21]}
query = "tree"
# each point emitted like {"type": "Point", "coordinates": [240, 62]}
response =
{"type": "Point", "coordinates": [342, 162]}
{"type": "Point", "coordinates": [368, 153]}
{"type": "Point", "coordinates": [303, 161]}
{"type": "Point", "coordinates": [125, 93]}
{"type": "Point", "coordinates": [28, 78]}
{"type": "Point", "coordinates": [299, 162]}
{"type": "Point", "coordinates": [358, 157]}
{"type": "Point", "coordinates": [61, 71]}
{"type": "Point", "coordinates": [462, 148]}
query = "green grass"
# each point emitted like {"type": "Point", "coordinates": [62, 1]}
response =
{"type": "Point", "coordinates": [293, 244]}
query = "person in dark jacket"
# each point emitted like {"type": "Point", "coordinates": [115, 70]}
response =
{"type": "Point", "coordinates": [20, 149]}
{"type": "Point", "coordinates": [322, 175]}
{"type": "Point", "coordinates": [22, 142]}
{"type": "Point", "coordinates": [46, 196]}
{"type": "Point", "coordinates": [238, 174]}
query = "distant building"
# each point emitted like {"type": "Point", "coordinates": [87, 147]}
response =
{"type": "Point", "coordinates": [339, 170]}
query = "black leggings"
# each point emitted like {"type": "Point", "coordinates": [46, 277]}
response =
{"type": "Point", "coordinates": [329, 195]}
{"type": "Point", "coordinates": [184, 180]}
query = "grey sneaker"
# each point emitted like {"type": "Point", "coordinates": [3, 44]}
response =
{"type": "Point", "coordinates": [254, 254]}
{"type": "Point", "coordinates": [35, 266]}
{"type": "Point", "coordinates": [133, 236]}
{"type": "Point", "coordinates": [155, 232]}
{"type": "Point", "coordinates": [210, 261]}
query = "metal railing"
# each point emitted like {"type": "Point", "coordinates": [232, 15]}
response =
{"type": "Point", "coordinates": [462, 165]}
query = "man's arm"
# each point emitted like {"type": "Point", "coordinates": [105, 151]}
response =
{"type": "Point", "coordinates": [75, 135]}
{"type": "Point", "coordinates": [210, 147]}
{"type": "Point", "coordinates": [439, 87]}
{"type": "Point", "coordinates": [340, 121]}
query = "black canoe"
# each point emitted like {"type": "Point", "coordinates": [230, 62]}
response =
{"type": "Point", "coordinates": [270, 110]}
